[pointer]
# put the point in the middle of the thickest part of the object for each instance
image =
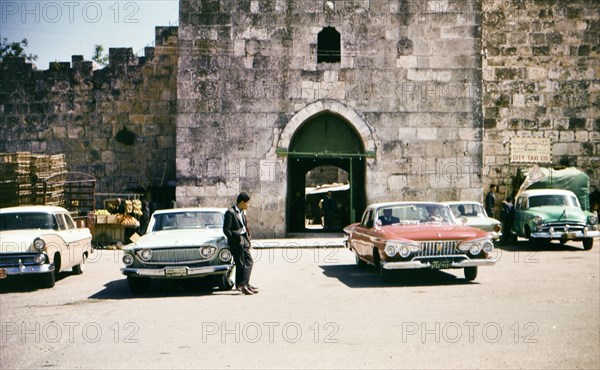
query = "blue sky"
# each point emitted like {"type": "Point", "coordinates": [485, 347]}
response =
{"type": "Point", "coordinates": [58, 29]}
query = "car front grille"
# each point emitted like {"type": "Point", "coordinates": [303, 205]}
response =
{"type": "Point", "coordinates": [438, 248]}
{"type": "Point", "coordinates": [563, 227]}
{"type": "Point", "coordinates": [11, 260]}
{"type": "Point", "coordinates": [179, 256]}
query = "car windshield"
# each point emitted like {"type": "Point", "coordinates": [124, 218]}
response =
{"type": "Point", "coordinates": [553, 200]}
{"type": "Point", "coordinates": [467, 210]}
{"type": "Point", "coordinates": [22, 221]}
{"type": "Point", "coordinates": [413, 214]}
{"type": "Point", "coordinates": [188, 220]}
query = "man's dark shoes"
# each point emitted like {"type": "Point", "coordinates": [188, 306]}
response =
{"type": "Point", "coordinates": [246, 290]}
{"type": "Point", "coordinates": [254, 289]}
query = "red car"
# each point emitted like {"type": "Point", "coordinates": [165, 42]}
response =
{"type": "Point", "coordinates": [417, 235]}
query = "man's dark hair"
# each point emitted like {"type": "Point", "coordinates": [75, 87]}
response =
{"type": "Point", "coordinates": [493, 186]}
{"type": "Point", "coordinates": [243, 197]}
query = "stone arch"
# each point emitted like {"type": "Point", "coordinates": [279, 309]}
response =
{"type": "Point", "coordinates": [348, 114]}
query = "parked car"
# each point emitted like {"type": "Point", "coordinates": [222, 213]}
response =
{"type": "Point", "coordinates": [473, 214]}
{"type": "Point", "coordinates": [417, 235]}
{"type": "Point", "coordinates": [553, 214]}
{"type": "Point", "coordinates": [41, 240]}
{"type": "Point", "coordinates": [180, 243]}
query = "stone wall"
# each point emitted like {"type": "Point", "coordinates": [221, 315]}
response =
{"type": "Point", "coordinates": [541, 78]}
{"type": "Point", "coordinates": [435, 91]}
{"type": "Point", "coordinates": [408, 83]}
{"type": "Point", "coordinates": [115, 123]}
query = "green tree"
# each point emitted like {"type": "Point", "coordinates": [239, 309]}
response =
{"type": "Point", "coordinates": [99, 56]}
{"type": "Point", "coordinates": [15, 49]}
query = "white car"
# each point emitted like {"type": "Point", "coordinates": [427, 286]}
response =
{"type": "Point", "coordinates": [42, 240]}
{"type": "Point", "coordinates": [475, 216]}
{"type": "Point", "coordinates": [180, 243]}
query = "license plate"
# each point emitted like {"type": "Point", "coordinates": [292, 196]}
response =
{"type": "Point", "coordinates": [2, 274]}
{"type": "Point", "coordinates": [568, 236]}
{"type": "Point", "coordinates": [441, 264]}
{"type": "Point", "coordinates": [176, 272]}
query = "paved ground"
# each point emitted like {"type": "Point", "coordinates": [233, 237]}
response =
{"type": "Point", "coordinates": [534, 309]}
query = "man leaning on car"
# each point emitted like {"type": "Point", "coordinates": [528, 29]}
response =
{"type": "Point", "coordinates": [236, 230]}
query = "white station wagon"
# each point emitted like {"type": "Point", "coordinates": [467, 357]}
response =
{"type": "Point", "coordinates": [42, 240]}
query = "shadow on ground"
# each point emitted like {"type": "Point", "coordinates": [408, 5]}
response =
{"type": "Point", "coordinates": [118, 289]}
{"type": "Point", "coordinates": [368, 277]}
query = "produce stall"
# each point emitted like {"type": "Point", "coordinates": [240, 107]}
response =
{"type": "Point", "coordinates": [117, 222]}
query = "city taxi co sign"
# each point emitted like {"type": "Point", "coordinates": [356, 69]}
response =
{"type": "Point", "coordinates": [530, 150]}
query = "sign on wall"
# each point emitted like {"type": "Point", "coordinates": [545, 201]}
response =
{"type": "Point", "coordinates": [530, 150]}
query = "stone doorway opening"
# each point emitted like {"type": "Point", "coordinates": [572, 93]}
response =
{"type": "Point", "coordinates": [325, 156]}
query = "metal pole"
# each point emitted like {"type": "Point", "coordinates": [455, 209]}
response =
{"type": "Point", "coordinates": [351, 192]}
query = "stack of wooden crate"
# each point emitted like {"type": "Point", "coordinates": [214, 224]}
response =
{"type": "Point", "coordinates": [27, 178]}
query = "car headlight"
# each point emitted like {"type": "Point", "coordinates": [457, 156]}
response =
{"type": "Point", "coordinates": [476, 246]}
{"type": "Point", "coordinates": [39, 259]}
{"type": "Point", "coordinates": [128, 259]}
{"type": "Point", "coordinates": [593, 220]}
{"type": "Point", "coordinates": [390, 250]}
{"type": "Point", "coordinates": [225, 255]}
{"type": "Point", "coordinates": [488, 246]}
{"type": "Point", "coordinates": [39, 244]}
{"type": "Point", "coordinates": [145, 254]}
{"type": "Point", "coordinates": [497, 228]}
{"type": "Point", "coordinates": [403, 248]}
{"type": "Point", "coordinates": [206, 251]}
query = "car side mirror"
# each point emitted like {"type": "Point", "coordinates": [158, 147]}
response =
{"type": "Point", "coordinates": [463, 220]}
{"type": "Point", "coordinates": [378, 223]}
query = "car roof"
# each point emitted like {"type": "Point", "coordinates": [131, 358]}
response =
{"type": "Point", "coordinates": [191, 209]}
{"type": "Point", "coordinates": [532, 192]}
{"type": "Point", "coordinates": [454, 202]}
{"type": "Point", "coordinates": [31, 209]}
{"type": "Point", "coordinates": [403, 203]}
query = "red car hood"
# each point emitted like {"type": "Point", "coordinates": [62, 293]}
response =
{"type": "Point", "coordinates": [429, 231]}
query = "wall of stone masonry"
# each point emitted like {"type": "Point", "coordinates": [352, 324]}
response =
{"type": "Point", "coordinates": [72, 109]}
{"type": "Point", "coordinates": [541, 78]}
{"type": "Point", "coordinates": [408, 82]}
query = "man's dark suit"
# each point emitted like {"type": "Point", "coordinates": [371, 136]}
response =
{"type": "Point", "coordinates": [389, 220]}
{"type": "Point", "coordinates": [238, 238]}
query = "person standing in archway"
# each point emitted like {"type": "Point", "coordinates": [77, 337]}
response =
{"type": "Point", "coordinates": [329, 210]}
{"type": "Point", "coordinates": [235, 228]}
{"type": "Point", "coordinates": [490, 201]}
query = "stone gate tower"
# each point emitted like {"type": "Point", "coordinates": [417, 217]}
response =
{"type": "Point", "coordinates": [387, 91]}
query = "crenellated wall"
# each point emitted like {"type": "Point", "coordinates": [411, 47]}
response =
{"type": "Point", "coordinates": [116, 123]}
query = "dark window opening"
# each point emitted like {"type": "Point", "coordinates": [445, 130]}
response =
{"type": "Point", "coordinates": [328, 46]}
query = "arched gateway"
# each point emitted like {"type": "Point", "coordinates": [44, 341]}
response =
{"type": "Point", "coordinates": [327, 145]}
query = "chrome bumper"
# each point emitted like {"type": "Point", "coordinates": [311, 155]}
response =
{"type": "Point", "coordinates": [568, 235]}
{"type": "Point", "coordinates": [161, 273]}
{"type": "Point", "coordinates": [407, 265]}
{"type": "Point", "coordinates": [27, 269]}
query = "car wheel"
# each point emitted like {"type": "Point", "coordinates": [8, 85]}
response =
{"type": "Point", "coordinates": [79, 269]}
{"type": "Point", "coordinates": [588, 243]}
{"type": "Point", "coordinates": [360, 263]}
{"type": "Point", "coordinates": [471, 273]}
{"type": "Point", "coordinates": [48, 280]}
{"type": "Point", "coordinates": [138, 285]}
{"type": "Point", "coordinates": [225, 281]}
